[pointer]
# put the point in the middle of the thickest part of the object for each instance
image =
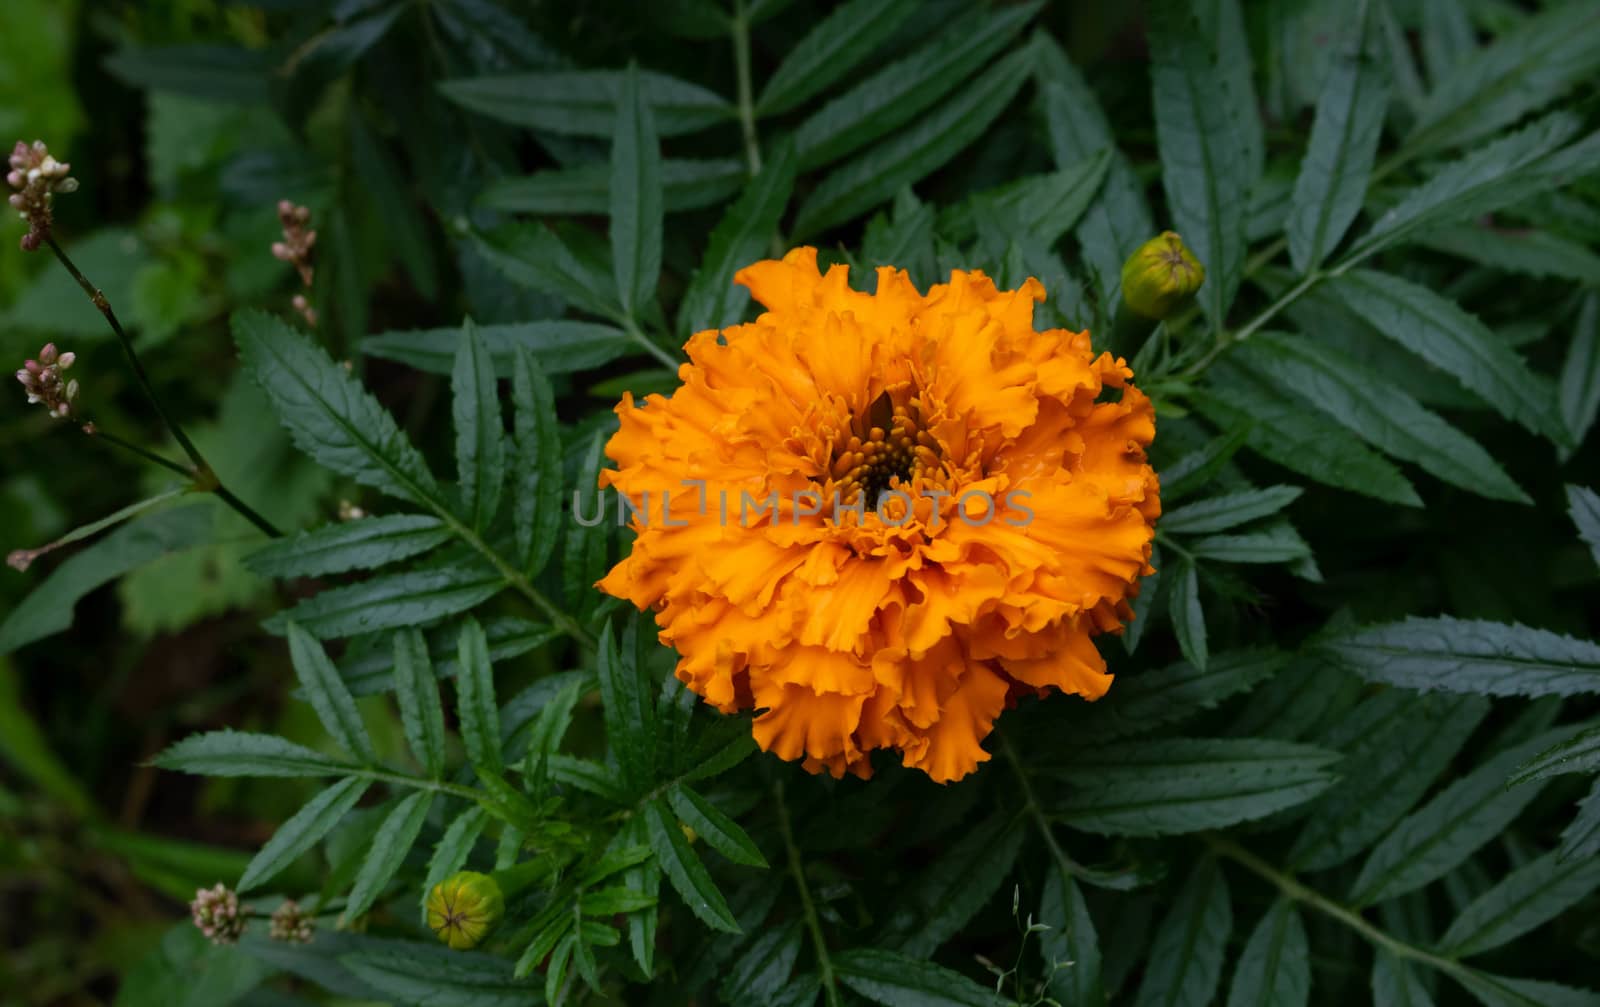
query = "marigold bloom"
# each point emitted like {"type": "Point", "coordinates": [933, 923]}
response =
{"type": "Point", "coordinates": [912, 631]}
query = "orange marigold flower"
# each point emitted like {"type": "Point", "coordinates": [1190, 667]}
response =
{"type": "Point", "coordinates": [1017, 521]}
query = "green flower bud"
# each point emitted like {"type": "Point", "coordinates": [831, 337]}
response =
{"type": "Point", "coordinates": [463, 908]}
{"type": "Point", "coordinates": [1161, 276]}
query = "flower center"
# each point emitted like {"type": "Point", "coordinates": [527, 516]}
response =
{"type": "Point", "coordinates": [887, 448]}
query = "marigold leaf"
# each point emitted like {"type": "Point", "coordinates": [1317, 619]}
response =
{"type": "Point", "coordinates": [1533, 253]}
{"type": "Point", "coordinates": [245, 753]}
{"type": "Point", "coordinates": [585, 102]}
{"type": "Point", "coordinates": [636, 207]}
{"type": "Point", "coordinates": [1579, 389]}
{"type": "Point", "coordinates": [1174, 786]}
{"type": "Point", "coordinates": [1502, 991]}
{"type": "Point", "coordinates": [1188, 619]}
{"type": "Point", "coordinates": [1333, 178]}
{"type": "Point", "coordinates": [1581, 838]}
{"type": "Point", "coordinates": [951, 891]}
{"type": "Point", "coordinates": [628, 705]}
{"type": "Point", "coordinates": [302, 831]}
{"type": "Point", "coordinates": [1522, 70]}
{"type": "Point", "coordinates": [371, 670]}
{"type": "Point", "coordinates": [534, 256]}
{"type": "Point", "coordinates": [583, 556]}
{"type": "Point", "coordinates": [328, 695]}
{"type": "Point", "coordinates": [831, 49]}
{"type": "Point", "coordinates": [535, 465]}
{"type": "Point", "coordinates": [1197, 468]}
{"type": "Point", "coordinates": [720, 832]}
{"type": "Point", "coordinates": [1071, 938]}
{"type": "Point", "coordinates": [1185, 964]}
{"type": "Point", "coordinates": [762, 972]}
{"type": "Point", "coordinates": [1275, 969]}
{"type": "Point", "coordinates": [480, 431]}
{"type": "Point", "coordinates": [1201, 171]}
{"type": "Point", "coordinates": [392, 601]}
{"type": "Point", "coordinates": [425, 973]}
{"type": "Point", "coordinates": [1456, 342]}
{"type": "Point", "coordinates": [452, 851]}
{"type": "Point", "coordinates": [1046, 205]}
{"type": "Point", "coordinates": [1378, 410]}
{"type": "Point", "coordinates": [475, 701]}
{"type": "Point", "coordinates": [901, 91]}
{"type": "Point", "coordinates": [1463, 816]}
{"type": "Point", "coordinates": [1395, 983]}
{"type": "Point", "coordinates": [417, 691]}
{"type": "Point", "coordinates": [327, 412]}
{"type": "Point", "coordinates": [897, 980]}
{"type": "Point", "coordinates": [591, 777]}
{"type": "Point", "coordinates": [1277, 543]}
{"type": "Point", "coordinates": [560, 347]}
{"type": "Point", "coordinates": [349, 545]}
{"type": "Point", "coordinates": [394, 840]}
{"type": "Point", "coordinates": [1460, 655]}
{"type": "Point", "coordinates": [1219, 513]}
{"type": "Point", "coordinates": [1526, 898]}
{"type": "Point", "coordinates": [745, 231]}
{"type": "Point", "coordinates": [684, 869]}
{"type": "Point", "coordinates": [686, 184]}
{"type": "Point", "coordinates": [1575, 755]}
{"type": "Point", "coordinates": [1145, 700]}
{"type": "Point", "coordinates": [926, 146]}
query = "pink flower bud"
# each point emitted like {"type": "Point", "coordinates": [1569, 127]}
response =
{"type": "Point", "coordinates": [285, 208]}
{"type": "Point", "coordinates": [32, 366]}
{"type": "Point", "coordinates": [26, 378]}
{"type": "Point", "coordinates": [47, 355]}
{"type": "Point", "coordinates": [31, 241]}
{"type": "Point", "coordinates": [281, 251]}
{"type": "Point", "coordinates": [67, 360]}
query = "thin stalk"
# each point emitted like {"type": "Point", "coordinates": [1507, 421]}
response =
{"type": "Point", "coordinates": [747, 104]}
{"type": "Point", "coordinates": [637, 335]}
{"type": "Point", "coordinates": [205, 477]}
{"type": "Point", "coordinates": [1293, 889]}
{"type": "Point", "coordinates": [808, 908]}
{"type": "Point", "coordinates": [1031, 808]}
{"type": "Point", "coordinates": [1226, 339]}
{"type": "Point", "coordinates": [96, 433]}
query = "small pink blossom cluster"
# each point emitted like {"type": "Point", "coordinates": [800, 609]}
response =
{"type": "Point", "coordinates": [216, 913]}
{"type": "Point", "coordinates": [42, 378]}
{"type": "Point", "coordinates": [295, 248]}
{"type": "Point", "coordinates": [36, 177]}
{"type": "Point", "coordinates": [291, 924]}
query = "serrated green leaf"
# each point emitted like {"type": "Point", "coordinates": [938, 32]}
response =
{"type": "Point", "coordinates": [393, 841]}
{"type": "Point", "coordinates": [1524, 899]}
{"type": "Point", "coordinates": [372, 670]}
{"type": "Point", "coordinates": [1579, 389]}
{"type": "Point", "coordinates": [1071, 938]}
{"type": "Point", "coordinates": [1437, 330]}
{"type": "Point", "coordinates": [480, 431]}
{"type": "Point", "coordinates": [877, 175]}
{"type": "Point", "coordinates": [392, 601]}
{"type": "Point", "coordinates": [951, 891]}
{"type": "Point", "coordinates": [550, 726]}
{"type": "Point", "coordinates": [584, 102]}
{"type": "Point", "coordinates": [350, 545]}
{"type": "Point", "coordinates": [1174, 786]}
{"type": "Point", "coordinates": [1581, 838]}
{"type": "Point", "coordinates": [535, 465]}
{"type": "Point", "coordinates": [1144, 604]}
{"type": "Point", "coordinates": [629, 710]}
{"type": "Point", "coordinates": [1442, 833]}
{"type": "Point", "coordinates": [302, 831]}
{"type": "Point", "coordinates": [421, 974]}
{"type": "Point", "coordinates": [1575, 755]}
{"type": "Point", "coordinates": [684, 869]}
{"type": "Point", "coordinates": [590, 776]}
{"type": "Point", "coordinates": [1222, 512]}
{"type": "Point", "coordinates": [1502, 991]}
{"type": "Point", "coordinates": [1185, 963]}
{"type": "Point", "coordinates": [1279, 429]}
{"type": "Point", "coordinates": [686, 184]}
{"type": "Point", "coordinates": [1197, 468]}
{"type": "Point", "coordinates": [1493, 176]}
{"type": "Point", "coordinates": [901, 91]}
{"type": "Point", "coordinates": [475, 701]}
{"type": "Point", "coordinates": [1461, 655]}
{"type": "Point", "coordinates": [1277, 543]}
{"type": "Point", "coordinates": [534, 256]}
{"type": "Point", "coordinates": [1333, 178]}
{"type": "Point", "coordinates": [454, 847]}
{"type": "Point", "coordinates": [559, 347]}
{"type": "Point", "coordinates": [1145, 700]}
{"type": "Point", "coordinates": [244, 753]}
{"type": "Point", "coordinates": [720, 832]}
{"type": "Point", "coordinates": [1201, 171]}
{"type": "Point", "coordinates": [1395, 983]}
{"type": "Point", "coordinates": [1378, 410]}
{"type": "Point", "coordinates": [1275, 968]}
{"type": "Point", "coordinates": [328, 695]}
{"type": "Point", "coordinates": [762, 972]}
{"type": "Point", "coordinates": [327, 412]}
{"type": "Point", "coordinates": [1047, 205]}
{"type": "Point", "coordinates": [1520, 250]}
{"type": "Point", "coordinates": [636, 207]}
{"type": "Point", "coordinates": [1407, 742]}
{"type": "Point", "coordinates": [829, 50]}
{"type": "Point", "coordinates": [610, 901]}
{"type": "Point", "coordinates": [583, 556]}
{"type": "Point", "coordinates": [1522, 70]}
{"type": "Point", "coordinates": [1188, 619]}
{"type": "Point", "coordinates": [740, 238]}
{"type": "Point", "coordinates": [417, 691]}
{"type": "Point", "coordinates": [897, 980]}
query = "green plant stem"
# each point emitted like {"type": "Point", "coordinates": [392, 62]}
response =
{"type": "Point", "coordinates": [93, 431]}
{"type": "Point", "coordinates": [1032, 809]}
{"type": "Point", "coordinates": [204, 476]}
{"type": "Point", "coordinates": [1292, 888]}
{"type": "Point", "coordinates": [813, 924]}
{"type": "Point", "coordinates": [637, 335]}
{"type": "Point", "coordinates": [1226, 339]}
{"type": "Point", "coordinates": [747, 104]}
{"type": "Point", "coordinates": [416, 782]}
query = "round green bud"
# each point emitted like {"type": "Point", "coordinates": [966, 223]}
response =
{"type": "Point", "coordinates": [463, 908]}
{"type": "Point", "coordinates": [1161, 276]}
